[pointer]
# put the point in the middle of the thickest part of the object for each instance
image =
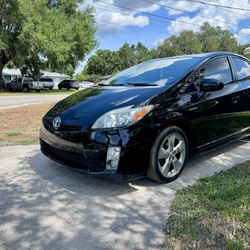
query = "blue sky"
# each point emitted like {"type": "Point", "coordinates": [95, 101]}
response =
{"type": "Point", "coordinates": [117, 25]}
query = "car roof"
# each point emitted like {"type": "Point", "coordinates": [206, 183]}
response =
{"type": "Point", "coordinates": [202, 56]}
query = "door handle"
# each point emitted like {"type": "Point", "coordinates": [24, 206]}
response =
{"type": "Point", "coordinates": [235, 99]}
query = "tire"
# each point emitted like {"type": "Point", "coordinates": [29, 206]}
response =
{"type": "Point", "coordinates": [50, 88]}
{"type": "Point", "coordinates": [38, 90]}
{"type": "Point", "coordinates": [165, 163]}
{"type": "Point", "coordinates": [26, 88]}
{"type": "Point", "coordinates": [59, 88]}
{"type": "Point", "coordinates": [68, 88]}
{"type": "Point", "coordinates": [9, 87]}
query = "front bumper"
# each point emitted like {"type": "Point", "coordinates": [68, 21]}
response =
{"type": "Point", "coordinates": [89, 154]}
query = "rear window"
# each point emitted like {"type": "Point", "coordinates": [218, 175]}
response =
{"type": "Point", "coordinates": [242, 68]}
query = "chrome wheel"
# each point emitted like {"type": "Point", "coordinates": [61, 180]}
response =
{"type": "Point", "coordinates": [172, 154]}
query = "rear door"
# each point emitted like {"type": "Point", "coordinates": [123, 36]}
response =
{"type": "Point", "coordinates": [241, 68]}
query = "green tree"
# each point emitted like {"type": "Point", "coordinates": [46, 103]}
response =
{"type": "Point", "coordinates": [127, 56]}
{"type": "Point", "coordinates": [131, 55]}
{"type": "Point", "coordinates": [216, 39]}
{"type": "Point", "coordinates": [43, 34]}
{"type": "Point", "coordinates": [104, 62]}
{"type": "Point", "coordinates": [208, 39]}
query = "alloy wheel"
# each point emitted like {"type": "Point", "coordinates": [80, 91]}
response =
{"type": "Point", "coordinates": [171, 155]}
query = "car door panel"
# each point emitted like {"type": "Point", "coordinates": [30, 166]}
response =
{"type": "Point", "coordinates": [216, 116]}
{"type": "Point", "coordinates": [213, 115]}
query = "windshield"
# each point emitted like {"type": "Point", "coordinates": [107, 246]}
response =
{"type": "Point", "coordinates": [156, 72]}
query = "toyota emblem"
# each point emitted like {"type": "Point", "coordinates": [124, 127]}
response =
{"type": "Point", "coordinates": [57, 122]}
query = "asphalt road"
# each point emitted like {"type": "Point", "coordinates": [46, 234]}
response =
{"type": "Point", "coordinates": [46, 206]}
{"type": "Point", "coordinates": [14, 101]}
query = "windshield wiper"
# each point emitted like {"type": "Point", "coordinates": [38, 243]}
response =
{"type": "Point", "coordinates": [141, 84]}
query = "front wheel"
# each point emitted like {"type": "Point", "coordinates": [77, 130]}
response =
{"type": "Point", "coordinates": [168, 155]}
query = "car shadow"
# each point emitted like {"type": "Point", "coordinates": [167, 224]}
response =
{"type": "Point", "coordinates": [202, 164]}
{"type": "Point", "coordinates": [46, 206]}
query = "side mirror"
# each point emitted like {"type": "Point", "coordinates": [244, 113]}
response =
{"type": "Point", "coordinates": [209, 85]}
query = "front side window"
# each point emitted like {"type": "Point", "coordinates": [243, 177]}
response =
{"type": "Point", "coordinates": [242, 68]}
{"type": "Point", "coordinates": [218, 69]}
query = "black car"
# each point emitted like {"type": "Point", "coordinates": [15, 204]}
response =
{"type": "Point", "coordinates": [148, 119]}
{"type": "Point", "coordinates": [68, 84]}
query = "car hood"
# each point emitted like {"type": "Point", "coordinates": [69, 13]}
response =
{"type": "Point", "coordinates": [84, 107]}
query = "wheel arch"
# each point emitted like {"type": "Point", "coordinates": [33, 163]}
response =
{"type": "Point", "coordinates": [185, 125]}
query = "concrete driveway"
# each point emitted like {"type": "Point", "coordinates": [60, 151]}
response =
{"type": "Point", "coordinates": [46, 206]}
{"type": "Point", "coordinates": [15, 101]}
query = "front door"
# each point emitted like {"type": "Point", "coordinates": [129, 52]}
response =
{"type": "Point", "coordinates": [212, 114]}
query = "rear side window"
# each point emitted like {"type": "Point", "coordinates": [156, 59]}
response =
{"type": "Point", "coordinates": [242, 68]}
{"type": "Point", "coordinates": [218, 69]}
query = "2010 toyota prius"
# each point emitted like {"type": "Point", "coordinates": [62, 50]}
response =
{"type": "Point", "coordinates": [147, 120]}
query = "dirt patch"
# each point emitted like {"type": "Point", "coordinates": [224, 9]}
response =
{"type": "Point", "coordinates": [21, 125]}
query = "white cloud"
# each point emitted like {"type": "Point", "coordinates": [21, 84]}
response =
{"type": "Point", "coordinates": [215, 16]}
{"type": "Point", "coordinates": [111, 19]}
{"type": "Point", "coordinates": [243, 36]}
{"type": "Point", "coordinates": [111, 22]}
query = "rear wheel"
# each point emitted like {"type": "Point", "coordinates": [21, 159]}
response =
{"type": "Point", "coordinates": [168, 155]}
{"type": "Point", "coordinates": [26, 88]}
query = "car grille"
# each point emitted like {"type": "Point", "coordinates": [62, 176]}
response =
{"type": "Point", "coordinates": [75, 160]}
{"type": "Point", "coordinates": [48, 123]}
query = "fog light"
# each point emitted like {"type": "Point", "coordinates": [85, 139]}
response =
{"type": "Point", "coordinates": [113, 157]}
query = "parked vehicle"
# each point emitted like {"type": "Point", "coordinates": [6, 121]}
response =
{"type": "Point", "coordinates": [148, 119]}
{"type": "Point", "coordinates": [24, 84]}
{"type": "Point", "coordinates": [48, 83]}
{"type": "Point", "coordinates": [68, 84]}
{"type": "Point", "coordinates": [86, 84]}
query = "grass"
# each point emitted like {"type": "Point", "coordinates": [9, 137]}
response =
{"type": "Point", "coordinates": [212, 214]}
{"type": "Point", "coordinates": [43, 92]}
{"type": "Point", "coordinates": [20, 126]}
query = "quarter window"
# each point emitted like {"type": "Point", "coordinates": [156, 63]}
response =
{"type": "Point", "coordinates": [218, 69]}
{"type": "Point", "coordinates": [242, 68]}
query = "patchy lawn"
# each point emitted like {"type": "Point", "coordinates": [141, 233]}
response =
{"type": "Point", "coordinates": [212, 214]}
{"type": "Point", "coordinates": [43, 92]}
{"type": "Point", "coordinates": [21, 125]}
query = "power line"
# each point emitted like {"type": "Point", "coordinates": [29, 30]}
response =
{"type": "Point", "coordinates": [227, 10]}
{"type": "Point", "coordinates": [146, 13]}
{"type": "Point", "coordinates": [190, 12]}
{"type": "Point", "coordinates": [110, 10]}
{"type": "Point", "coordinates": [217, 5]}
{"type": "Point", "coordinates": [155, 15]}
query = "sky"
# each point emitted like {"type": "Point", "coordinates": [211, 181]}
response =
{"type": "Point", "coordinates": [120, 21]}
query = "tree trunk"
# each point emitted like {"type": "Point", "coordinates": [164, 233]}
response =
{"type": "Point", "coordinates": [2, 84]}
{"type": "Point", "coordinates": [3, 61]}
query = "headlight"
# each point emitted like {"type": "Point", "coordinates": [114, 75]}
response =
{"type": "Point", "coordinates": [122, 117]}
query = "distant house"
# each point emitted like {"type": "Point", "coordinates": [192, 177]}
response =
{"type": "Point", "coordinates": [10, 74]}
